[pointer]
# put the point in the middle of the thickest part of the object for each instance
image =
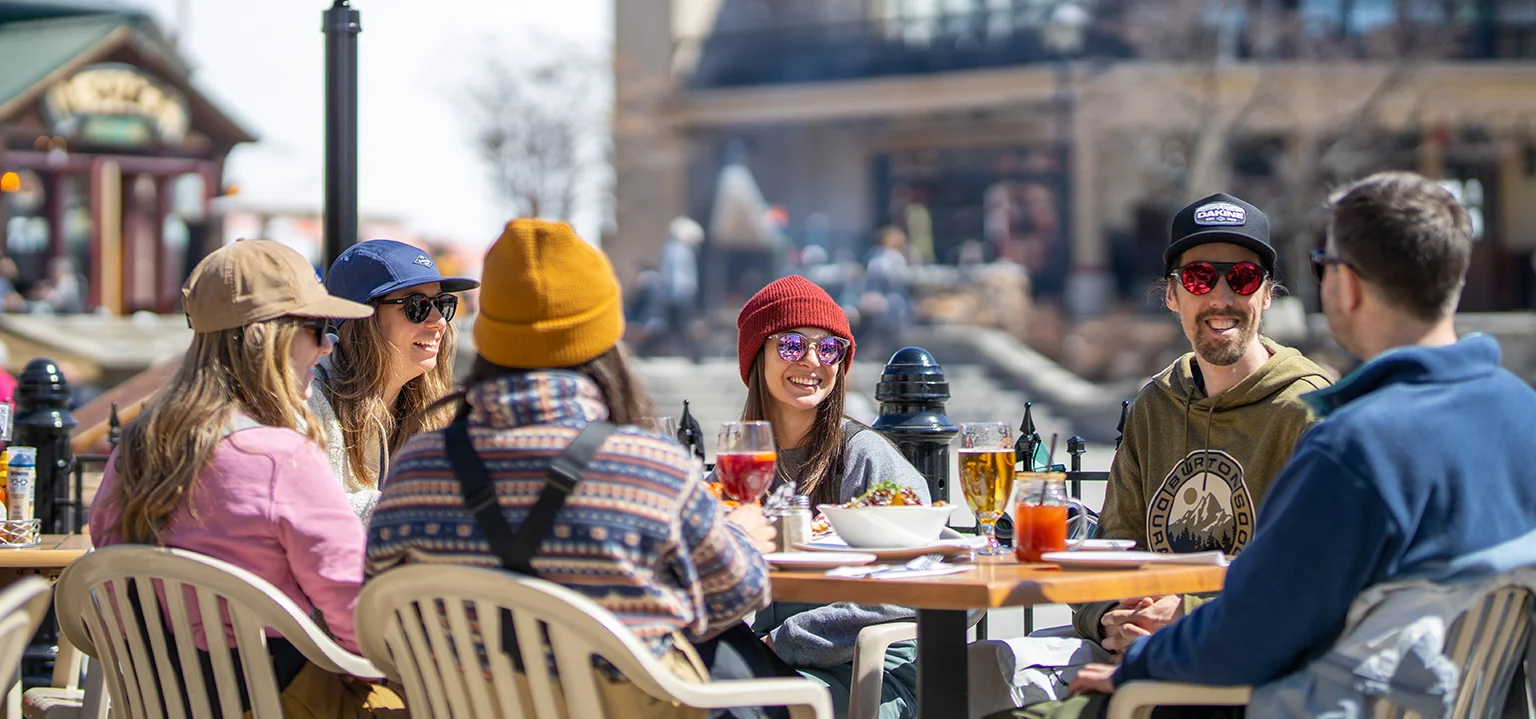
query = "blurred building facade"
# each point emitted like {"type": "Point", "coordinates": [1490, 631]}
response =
{"type": "Point", "coordinates": [1063, 134]}
{"type": "Point", "coordinates": [110, 160]}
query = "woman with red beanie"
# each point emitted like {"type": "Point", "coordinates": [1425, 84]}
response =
{"type": "Point", "coordinates": [795, 348]}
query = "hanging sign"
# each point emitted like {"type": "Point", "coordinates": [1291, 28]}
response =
{"type": "Point", "coordinates": [118, 104]}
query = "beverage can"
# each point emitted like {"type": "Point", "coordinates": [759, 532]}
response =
{"type": "Point", "coordinates": [20, 482]}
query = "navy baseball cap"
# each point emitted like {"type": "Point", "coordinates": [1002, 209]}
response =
{"type": "Point", "coordinates": [1221, 218]}
{"type": "Point", "coordinates": [374, 268]}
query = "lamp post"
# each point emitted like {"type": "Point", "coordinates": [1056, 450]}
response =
{"type": "Point", "coordinates": [341, 24]}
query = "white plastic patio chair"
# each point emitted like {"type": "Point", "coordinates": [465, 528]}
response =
{"type": "Point", "coordinates": [96, 615]}
{"type": "Point", "coordinates": [869, 662]}
{"type": "Point", "coordinates": [1485, 643]}
{"type": "Point", "coordinates": [22, 608]}
{"type": "Point", "coordinates": [408, 641]}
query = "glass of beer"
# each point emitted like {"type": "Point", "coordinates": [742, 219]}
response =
{"type": "Point", "coordinates": [1040, 516]}
{"type": "Point", "coordinates": [986, 475]}
{"type": "Point", "coordinates": [745, 459]}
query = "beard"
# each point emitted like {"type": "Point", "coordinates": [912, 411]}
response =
{"type": "Point", "coordinates": [1224, 351]}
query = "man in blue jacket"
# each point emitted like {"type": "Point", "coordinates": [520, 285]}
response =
{"type": "Point", "coordinates": [1424, 455]}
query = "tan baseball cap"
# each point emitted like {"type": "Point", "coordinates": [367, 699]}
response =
{"type": "Point", "coordinates": [258, 280]}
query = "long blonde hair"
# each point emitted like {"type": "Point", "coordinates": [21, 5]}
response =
{"type": "Point", "coordinates": [824, 467]}
{"type": "Point", "coordinates": [355, 385]}
{"type": "Point", "coordinates": [246, 370]}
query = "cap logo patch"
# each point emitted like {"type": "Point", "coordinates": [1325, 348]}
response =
{"type": "Point", "coordinates": [1220, 213]}
{"type": "Point", "coordinates": [425, 262]}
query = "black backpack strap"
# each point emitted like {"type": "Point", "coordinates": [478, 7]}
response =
{"type": "Point", "coordinates": [517, 549]}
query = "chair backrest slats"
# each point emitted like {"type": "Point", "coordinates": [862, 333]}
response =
{"type": "Point", "coordinates": [530, 643]}
{"type": "Point", "coordinates": [573, 656]}
{"type": "Point", "coordinates": [186, 647]}
{"type": "Point", "coordinates": [503, 673]}
{"type": "Point", "coordinates": [260, 684]}
{"type": "Point", "coordinates": [143, 662]}
{"type": "Point", "coordinates": [454, 689]}
{"type": "Point", "coordinates": [467, 658]}
{"type": "Point", "coordinates": [432, 681]}
{"type": "Point", "coordinates": [135, 607]}
{"type": "Point", "coordinates": [22, 607]}
{"type": "Point", "coordinates": [170, 687]}
{"type": "Point", "coordinates": [218, 652]}
{"type": "Point", "coordinates": [128, 691]}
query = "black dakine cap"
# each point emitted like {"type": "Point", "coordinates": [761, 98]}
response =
{"type": "Point", "coordinates": [1220, 218]}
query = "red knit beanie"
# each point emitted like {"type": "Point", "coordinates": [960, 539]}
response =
{"type": "Point", "coordinates": [785, 304]}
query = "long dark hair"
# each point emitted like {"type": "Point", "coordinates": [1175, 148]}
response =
{"type": "Point", "coordinates": [824, 468]}
{"type": "Point", "coordinates": [624, 396]}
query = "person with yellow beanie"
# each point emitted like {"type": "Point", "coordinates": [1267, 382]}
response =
{"type": "Point", "coordinates": [551, 381]}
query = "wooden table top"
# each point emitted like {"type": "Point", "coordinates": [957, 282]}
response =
{"type": "Point", "coordinates": [1000, 582]}
{"type": "Point", "coordinates": [56, 551]}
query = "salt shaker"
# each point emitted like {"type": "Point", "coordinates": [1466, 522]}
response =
{"type": "Point", "coordinates": [794, 523]}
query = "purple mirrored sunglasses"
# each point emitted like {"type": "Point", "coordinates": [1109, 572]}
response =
{"type": "Point", "coordinates": [830, 349]}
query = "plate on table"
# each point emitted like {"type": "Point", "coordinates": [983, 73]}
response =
{"type": "Point", "coordinates": [1106, 545]}
{"type": "Point", "coordinates": [1100, 560]}
{"type": "Point", "coordinates": [949, 543]}
{"type": "Point", "coordinates": [816, 561]}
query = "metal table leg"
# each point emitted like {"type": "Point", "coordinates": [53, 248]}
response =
{"type": "Point", "coordinates": [943, 678]}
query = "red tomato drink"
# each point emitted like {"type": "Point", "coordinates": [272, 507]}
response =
{"type": "Point", "coordinates": [745, 476]}
{"type": "Point", "coordinates": [1039, 529]}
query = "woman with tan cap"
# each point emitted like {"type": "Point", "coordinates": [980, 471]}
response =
{"type": "Point", "coordinates": [639, 533]}
{"type": "Point", "coordinates": [218, 464]}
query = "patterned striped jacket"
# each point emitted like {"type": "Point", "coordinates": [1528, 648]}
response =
{"type": "Point", "coordinates": [641, 535]}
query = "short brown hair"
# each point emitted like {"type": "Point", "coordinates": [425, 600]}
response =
{"type": "Point", "coordinates": [1408, 237]}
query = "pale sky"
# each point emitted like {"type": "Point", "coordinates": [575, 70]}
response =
{"type": "Point", "coordinates": [264, 63]}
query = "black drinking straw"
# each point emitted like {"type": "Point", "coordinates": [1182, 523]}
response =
{"type": "Point", "coordinates": [1050, 457]}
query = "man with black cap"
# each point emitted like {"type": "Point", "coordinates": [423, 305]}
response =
{"type": "Point", "coordinates": [1205, 437]}
{"type": "Point", "coordinates": [1202, 442]}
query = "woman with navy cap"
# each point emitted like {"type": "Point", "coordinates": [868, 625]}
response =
{"type": "Point", "coordinates": [387, 370]}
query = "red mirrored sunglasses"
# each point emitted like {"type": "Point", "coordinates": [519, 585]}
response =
{"type": "Point", "coordinates": [1245, 278]}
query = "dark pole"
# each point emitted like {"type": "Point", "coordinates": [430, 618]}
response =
{"type": "Point", "coordinates": [341, 26]}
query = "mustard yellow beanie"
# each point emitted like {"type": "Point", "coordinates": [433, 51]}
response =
{"type": "Point", "coordinates": [548, 300]}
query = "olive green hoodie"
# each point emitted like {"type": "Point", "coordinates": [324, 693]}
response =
{"type": "Point", "coordinates": [1192, 469]}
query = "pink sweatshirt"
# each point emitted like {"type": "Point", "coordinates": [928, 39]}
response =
{"type": "Point", "coordinates": [267, 503]}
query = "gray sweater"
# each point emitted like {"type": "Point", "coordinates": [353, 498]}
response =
{"type": "Point", "coordinates": [823, 635]}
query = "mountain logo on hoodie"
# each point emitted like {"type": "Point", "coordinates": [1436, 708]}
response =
{"type": "Point", "coordinates": [1203, 504]}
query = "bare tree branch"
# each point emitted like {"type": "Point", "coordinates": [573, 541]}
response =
{"type": "Point", "coordinates": [540, 129]}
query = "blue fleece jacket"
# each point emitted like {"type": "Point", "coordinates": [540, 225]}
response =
{"type": "Point", "coordinates": [1425, 455]}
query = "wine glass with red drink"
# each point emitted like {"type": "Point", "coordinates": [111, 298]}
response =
{"type": "Point", "coordinates": [744, 460]}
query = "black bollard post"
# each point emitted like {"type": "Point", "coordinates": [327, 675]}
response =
{"type": "Point", "coordinates": [912, 392]}
{"type": "Point", "coordinates": [43, 421]}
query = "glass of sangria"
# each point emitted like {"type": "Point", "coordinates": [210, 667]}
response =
{"type": "Point", "coordinates": [745, 460]}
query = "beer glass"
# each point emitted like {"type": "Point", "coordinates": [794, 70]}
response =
{"type": "Point", "coordinates": [1040, 516]}
{"type": "Point", "coordinates": [986, 475]}
{"type": "Point", "coordinates": [745, 459]}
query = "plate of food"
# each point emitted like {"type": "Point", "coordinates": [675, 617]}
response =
{"type": "Point", "coordinates": [950, 543]}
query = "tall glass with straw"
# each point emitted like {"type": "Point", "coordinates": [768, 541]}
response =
{"type": "Point", "coordinates": [986, 475]}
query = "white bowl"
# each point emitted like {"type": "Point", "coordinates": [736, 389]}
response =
{"type": "Point", "coordinates": [887, 527]}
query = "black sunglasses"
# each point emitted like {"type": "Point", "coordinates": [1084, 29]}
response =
{"type": "Point", "coordinates": [830, 350]}
{"type": "Point", "coordinates": [1320, 261]}
{"type": "Point", "coordinates": [418, 306]}
{"type": "Point", "coordinates": [319, 327]}
{"type": "Point", "coordinates": [1245, 278]}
